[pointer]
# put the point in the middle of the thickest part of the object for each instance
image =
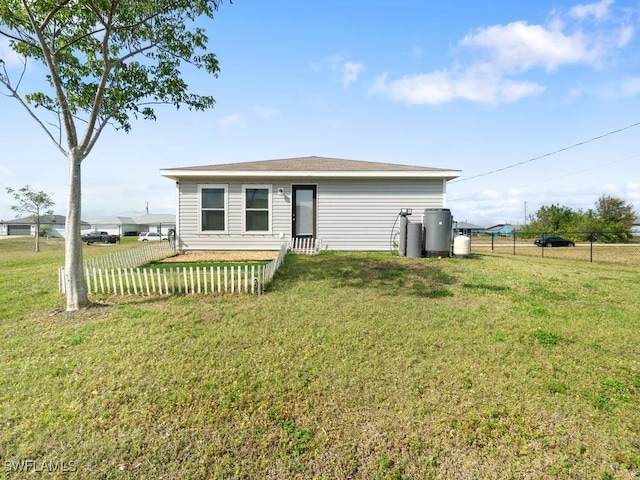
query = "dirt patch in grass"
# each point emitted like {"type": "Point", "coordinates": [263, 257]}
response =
{"type": "Point", "coordinates": [223, 256]}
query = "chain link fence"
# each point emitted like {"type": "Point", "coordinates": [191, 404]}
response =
{"type": "Point", "coordinates": [624, 253]}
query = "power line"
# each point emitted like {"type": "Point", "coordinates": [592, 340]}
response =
{"type": "Point", "coordinates": [547, 179]}
{"type": "Point", "coordinates": [577, 172]}
{"type": "Point", "coordinates": [547, 154]}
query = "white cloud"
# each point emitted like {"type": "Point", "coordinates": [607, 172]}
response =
{"type": "Point", "coordinates": [486, 212]}
{"type": "Point", "coordinates": [350, 72]}
{"type": "Point", "coordinates": [574, 92]}
{"type": "Point", "coordinates": [625, 35]}
{"type": "Point", "coordinates": [491, 194]}
{"type": "Point", "coordinates": [126, 199]}
{"type": "Point", "coordinates": [512, 91]}
{"type": "Point", "coordinates": [442, 87]}
{"type": "Point", "coordinates": [518, 46]}
{"type": "Point", "coordinates": [633, 195]}
{"type": "Point", "coordinates": [230, 121]}
{"type": "Point", "coordinates": [265, 112]}
{"type": "Point", "coordinates": [630, 87]}
{"type": "Point", "coordinates": [493, 205]}
{"type": "Point", "coordinates": [492, 61]}
{"type": "Point", "coordinates": [598, 10]}
{"type": "Point", "coordinates": [430, 88]}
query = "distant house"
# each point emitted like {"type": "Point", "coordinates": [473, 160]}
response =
{"type": "Point", "coordinates": [466, 228]}
{"type": "Point", "coordinates": [502, 230]}
{"type": "Point", "coordinates": [53, 224]}
{"type": "Point", "coordinates": [348, 204]}
{"type": "Point", "coordinates": [126, 226]}
{"type": "Point", "coordinates": [635, 228]}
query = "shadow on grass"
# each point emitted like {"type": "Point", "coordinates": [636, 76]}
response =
{"type": "Point", "coordinates": [383, 272]}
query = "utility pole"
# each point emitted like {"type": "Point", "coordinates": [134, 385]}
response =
{"type": "Point", "coordinates": [147, 207]}
{"type": "Point", "coordinates": [525, 213]}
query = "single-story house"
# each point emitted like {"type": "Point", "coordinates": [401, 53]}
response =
{"type": "Point", "coordinates": [466, 228]}
{"type": "Point", "coordinates": [54, 226]}
{"type": "Point", "coordinates": [127, 226]}
{"type": "Point", "coordinates": [502, 230]}
{"type": "Point", "coordinates": [347, 204]}
{"type": "Point", "coordinates": [635, 228]}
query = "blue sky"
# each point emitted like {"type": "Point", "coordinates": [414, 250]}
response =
{"type": "Point", "coordinates": [468, 85]}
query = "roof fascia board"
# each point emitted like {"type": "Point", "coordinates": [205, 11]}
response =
{"type": "Point", "coordinates": [177, 174]}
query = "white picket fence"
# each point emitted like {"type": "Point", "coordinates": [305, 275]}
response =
{"type": "Point", "coordinates": [305, 246]}
{"type": "Point", "coordinates": [146, 253]}
{"type": "Point", "coordinates": [123, 280]}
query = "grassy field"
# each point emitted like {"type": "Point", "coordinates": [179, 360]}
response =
{"type": "Point", "coordinates": [352, 366]}
{"type": "Point", "coordinates": [621, 253]}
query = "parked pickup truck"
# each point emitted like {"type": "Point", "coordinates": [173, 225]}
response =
{"type": "Point", "coordinates": [100, 237]}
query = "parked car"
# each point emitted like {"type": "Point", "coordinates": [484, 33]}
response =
{"type": "Point", "coordinates": [99, 237]}
{"type": "Point", "coordinates": [553, 242]}
{"type": "Point", "coordinates": [152, 237]}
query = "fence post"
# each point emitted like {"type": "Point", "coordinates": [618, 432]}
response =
{"type": "Point", "coordinates": [514, 242]}
{"type": "Point", "coordinates": [591, 250]}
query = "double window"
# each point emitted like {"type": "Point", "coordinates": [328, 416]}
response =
{"type": "Point", "coordinates": [256, 208]}
{"type": "Point", "coordinates": [213, 208]}
{"type": "Point", "coordinates": [215, 212]}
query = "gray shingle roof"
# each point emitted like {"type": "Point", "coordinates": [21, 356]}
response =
{"type": "Point", "coordinates": [44, 220]}
{"type": "Point", "coordinates": [153, 218]}
{"type": "Point", "coordinates": [317, 165]}
{"type": "Point", "coordinates": [468, 226]}
{"type": "Point", "coordinates": [311, 164]}
{"type": "Point", "coordinates": [150, 219]}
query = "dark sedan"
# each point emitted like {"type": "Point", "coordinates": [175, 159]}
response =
{"type": "Point", "coordinates": [553, 242]}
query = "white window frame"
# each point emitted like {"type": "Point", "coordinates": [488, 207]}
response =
{"type": "Point", "coordinates": [205, 186]}
{"type": "Point", "coordinates": [267, 187]}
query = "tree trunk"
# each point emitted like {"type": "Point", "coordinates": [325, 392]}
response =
{"type": "Point", "coordinates": [75, 284]}
{"type": "Point", "coordinates": [36, 246]}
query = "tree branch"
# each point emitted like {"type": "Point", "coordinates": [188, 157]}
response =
{"type": "Point", "coordinates": [113, 27]}
{"type": "Point", "coordinates": [53, 12]}
{"type": "Point", "coordinates": [19, 39]}
{"type": "Point", "coordinates": [133, 53]}
{"type": "Point", "coordinates": [89, 139]}
{"type": "Point", "coordinates": [103, 123]}
{"type": "Point", "coordinates": [15, 95]}
{"type": "Point", "coordinates": [70, 127]}
{"type": "Point", "coordinates": [4, 79]}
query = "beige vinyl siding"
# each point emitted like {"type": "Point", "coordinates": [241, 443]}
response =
{"type": "Point", "coordinates": [352, 214]}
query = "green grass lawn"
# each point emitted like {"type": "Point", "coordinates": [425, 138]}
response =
{"type": "Point", "coordinates": [351, 366]}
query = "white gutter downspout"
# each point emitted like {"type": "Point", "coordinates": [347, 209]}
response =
{"type": "Point", "coordinates": [176, 238]}
{"type": "Point", "coordinates": [444, 193]}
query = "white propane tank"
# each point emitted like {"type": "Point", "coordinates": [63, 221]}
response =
{"type": "Point", "coordinates": [461, 246]}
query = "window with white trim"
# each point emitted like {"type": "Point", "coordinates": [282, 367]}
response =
{"type": "Point", "coordinates": [257, 208]}
{"type": "Point", "coordinates": [213, 208]}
